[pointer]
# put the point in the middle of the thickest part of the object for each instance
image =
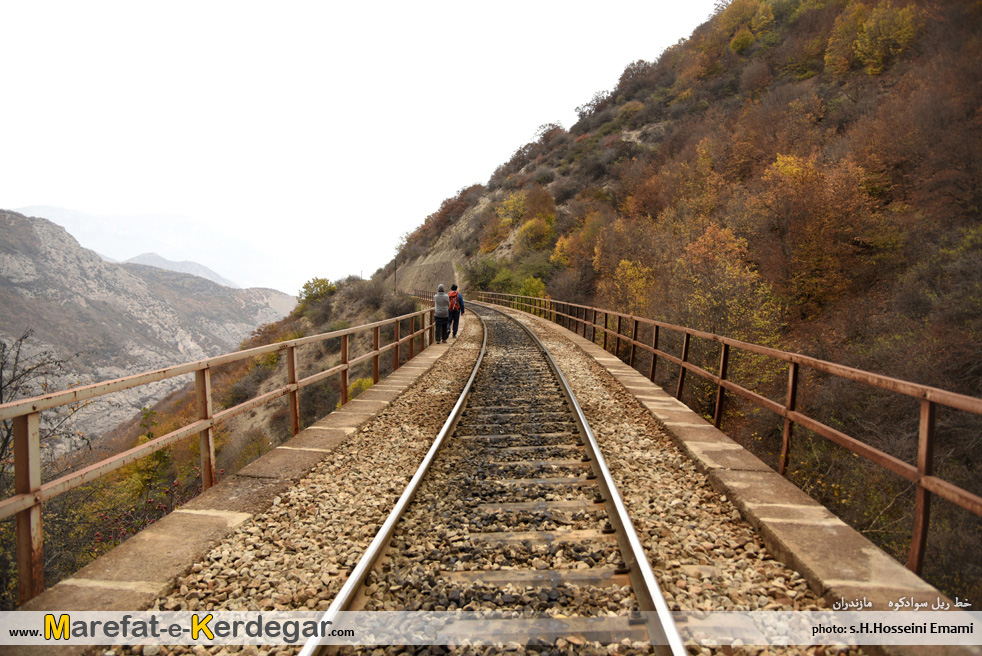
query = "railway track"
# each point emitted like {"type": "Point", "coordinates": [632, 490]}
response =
{"type": "Point", "coordinates": [513, 514]}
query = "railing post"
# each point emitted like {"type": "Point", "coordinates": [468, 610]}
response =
{"type": "Point", "coordinates": [395, 349]}
{"type": "Point", "coordinates": [618, 353]}
{"type": "Point", "coordinates": [27, 480]}
{"type": "Point", "coordinates": [344, 372]}
{"type": "Point", "coordinates": [724, 361]}
{"type": "Point", "coordinates": [293, 398]}
{"type": "Point", "coordinates": [685, 358]}
{"type": "Point", "coordinates": [606, 330]}
{"type": "Point", "coordinates": [593, 327]}
{"type": "Point", "coordinates": [789, 404]}
{"type": "Point", "coordinates": [922, 502]}
{"type": "Point", "coordinates": [634, 341]}
{"type": "Point", "coordinates": [206, 438]}
{"type": "Point", "coordinates": [376, 341]}
{"type": "Point", "coordinates": [654, 354]}
{"type": "Point", "coordinates": [431, 315]}
{"type": "Point", "coordinates": [412, 337]}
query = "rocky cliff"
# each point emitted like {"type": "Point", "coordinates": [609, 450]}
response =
{"type": "Point", "coordinates": [119, 318]}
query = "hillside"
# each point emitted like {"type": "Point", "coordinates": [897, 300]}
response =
{"type": "Point", "coordinates": [798, 173]}
{"type": "Point", "coordinates": [116, 319]}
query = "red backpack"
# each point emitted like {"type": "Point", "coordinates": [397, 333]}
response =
{"type": "Point", "coordinates": [454, 303]}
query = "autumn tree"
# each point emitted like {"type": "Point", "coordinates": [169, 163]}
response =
{"type": "Point", "coordinates": [840, 55]}
{"type": "Point", "coordinates": [885, 35]}
{"type": "Point", "coordinates": [630, 288]}
{"type": "Point", "coordinates": [820, 219]}
{"type": "Point", "coordinates": [717, 289]}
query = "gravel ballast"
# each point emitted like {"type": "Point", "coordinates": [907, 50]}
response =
{"type": "Point", "coordinates": [295, 555]}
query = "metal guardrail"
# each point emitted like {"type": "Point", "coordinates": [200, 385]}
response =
{"type": "Point", "coordinates": [30, 492]}
{"type": "Point", "coordinates": [585, 320]}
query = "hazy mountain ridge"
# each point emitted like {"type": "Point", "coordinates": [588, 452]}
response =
{"type": "Point", "coordinates": [122, 234]}
{"type": "Point", "coordinates": [120, 318]}
{"type": "Point", "coordinates": [190, 268]}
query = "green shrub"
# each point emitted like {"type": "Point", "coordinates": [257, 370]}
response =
{"type": "Point", "coordinates": [535, 235]}
{"type": "Point", "coordinates": [743, 39]}
{"type": "Point", "coordinates": [532, 286]}
{"type": "Point", "coordinates": [356, 388]}
{"type": "Point", "coordinates": [313, 290]}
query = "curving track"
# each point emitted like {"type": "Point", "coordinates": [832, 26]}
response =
{"type": "Point", "coordinates": [514, 511]}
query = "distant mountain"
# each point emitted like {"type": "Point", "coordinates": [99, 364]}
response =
{"type": "Point", "coordinates": [120, 318]}
{"type": "Point", "coordinates": [192, 268]}
{"type": "Point", "coordinates": [122, 235]}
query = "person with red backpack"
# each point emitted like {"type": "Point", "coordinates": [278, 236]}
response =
{"type": "Point", "coordinates": [456, 308]}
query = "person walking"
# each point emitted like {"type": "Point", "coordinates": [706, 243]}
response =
{"type": "Point", "coordinates": [441, 313]}
{"type": "Point", "coordinates": [456, 308]}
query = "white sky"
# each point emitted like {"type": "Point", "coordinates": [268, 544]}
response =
{"type": "Point", "coordinates": [293, 139]}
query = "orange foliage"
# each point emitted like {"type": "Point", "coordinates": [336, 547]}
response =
{"type": "Point", "coordinates": [819, 217]}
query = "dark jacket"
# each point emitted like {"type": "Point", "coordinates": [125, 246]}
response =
{"type": "Point", "coordinates": [460, 301]}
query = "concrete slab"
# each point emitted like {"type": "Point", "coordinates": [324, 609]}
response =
{"type": "Point", "coordinates": [159, 552]}
{"type": "Point", "coordinates": [244, 494]}
{"type": "Point", "coordinates": [344, 418]}
{"type": "Point", "coordinates": [362, 404]}
{"type": "Point", "coordinates": [747, 488]}
{"type": "Point", "coordinates": [386, 395]}
{"type": "Point", "coordinates": [841, 559]}
{"type": "Point", "coordinates": [320, 438]}
{"type": "Point", "coordinates": [715, 454]}
{"type": "Point", "coordinates": [285, 463]}
{"type": "Point", "coordinates": [72, 595]}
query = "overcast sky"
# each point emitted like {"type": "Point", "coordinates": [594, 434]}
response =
{"type": "Point", "coordinates": [276, 142]}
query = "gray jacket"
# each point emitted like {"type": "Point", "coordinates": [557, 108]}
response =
{"type": "Point", "coordinates": [441, 305]}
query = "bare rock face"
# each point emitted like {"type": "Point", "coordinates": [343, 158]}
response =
{"type": "Point", "coordinates": [119, 318]}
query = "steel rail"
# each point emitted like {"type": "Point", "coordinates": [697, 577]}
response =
{"type": "Point", "coordinates": [347, 593]}
{"type": "Point", "coordinates": [660, 625]}
{"type": "Point", "coordinates": [662, 631]}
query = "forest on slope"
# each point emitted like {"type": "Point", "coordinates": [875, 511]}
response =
{"type": "Point", "coordinates": [803, 174]}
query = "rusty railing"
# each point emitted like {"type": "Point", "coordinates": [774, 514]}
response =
{"type": "Point", "coordinates": [30, 492]}
{"type": "Point", "coordinates": [585, 321]}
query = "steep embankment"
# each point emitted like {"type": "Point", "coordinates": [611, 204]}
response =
{"type": "Point", "coordinates": [420, 268]}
